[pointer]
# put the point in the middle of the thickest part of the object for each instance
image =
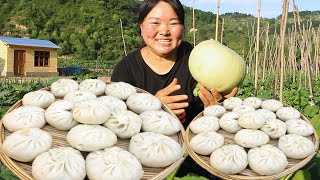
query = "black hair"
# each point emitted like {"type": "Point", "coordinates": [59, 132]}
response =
{"type": "Point", "coordinates": [148, 5]}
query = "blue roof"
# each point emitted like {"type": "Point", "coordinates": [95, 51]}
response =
{"type": "Point", "coordinates": [28, 42]}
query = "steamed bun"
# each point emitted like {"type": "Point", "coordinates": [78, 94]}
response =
{"type": "Point", "coordinates": [25, 145]}
{"type": "Point", "coordinates": [232, 102]}
{"type": "Point", "coordinates": [267, 113]}
{"type": "Point", "coordinates": [204, 123]}
{"type": "Point", "coordinates": [86, 137]}
{"type": "Point", "coordinates": [286, 113]}
{"type": "Point", "coordinates": [124, 123]}
{"type": "Point", "coordinates": [251, 120]}
{"type": "Point", "coordinates": [24, 117]}
{"type": "Point", "coordinates": [271, 105]}
{"type": "Point", "coordinates": [113, 163]}
{"type": "Point", "coordinates": [140, 102]}
{"type": "Point", "coordinates": [59, 115]}
{"type": "Point", "coordinates": [299, 127]}
{"type": "Point", "coordinates": [63, 86]}
{"type": "Point", "coordinates": [229, 159]}
{"type": "Point", "coordinates": [267, 160]}
{"type": "Point", "coordinates": [206, 142]}
{"type": "Point", "coordinates": [40, 98]}
{"type": "Point", "coordinates": [91, 112]}
{"type": "Point", "coordinates": [250, 138]}
{"type": "Point", "coordinates": [160, 121]}
{"type": "Point", "coordinates": [229, 122]}
{"type": "Point", "coordinates": [154, 149]}
{"type": "Point", "coordinates": [79, 95]}
{"type": "Point", "coordinates": [214, 110]}
{"type": "Point", "coordinates": [296, 146]}
{"type": "Point", "coordinates": [59, 163]}
{"type": "Point", "coordinates": [253, 102]}
{"type": "Point", "coordinates": [120, 90]}
{"type": "Point", "coordinates": [275, 128]}
{"type": "Point", "coordinates": [96, 86]}
{"type": "Point", "coordinates": [243, 109]}
{"type": "Point", "coordinates": [112, 103]}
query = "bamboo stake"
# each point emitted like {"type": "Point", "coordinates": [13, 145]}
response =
{"type": "Point", "coordinates": [123, 41]}
{"type": "Point", "coordinates": [316, 51]}
{"type": "Point", "coordinates": [251, 38]}
{"type": "Point", "coordinates": [273, 51]}
{"type": "Point", "coordinates": [282, 41]}
{"type": "Point", "coordinates": [193, 25]}
{"type": "Point", "coordinates": [294, 40]}
{"type": "Point", "coordinates": [266, 43]}
{"type": "Point", "coordinates": [222, 30]}
{"type": "Point", "coordinates": [308, 65]}
{"type": "Point", "coordinates": [257, 51]}
{"type": "Point", "coordinates": [291, 45]}
{"type": "Point", "coordinates": [298, 20]}
{"type": "Point", "coordinates": [217, 19]}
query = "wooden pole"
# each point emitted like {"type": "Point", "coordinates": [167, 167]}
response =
{"type": "Point", "coordinates": [280, 56]}
{"type": "Point", "coordinates": [294, 60]}
{"type": "Point", "coordinates": [222, 30]}
{"type": "Point", "coordinates": [282, 41]}
{"type": "Point", "coordinates": [266, 43]}
{"type": "Point", "coordinates": [123, 41]}
{"type": "Point", "coordinates": [257, 51]}
{"type": "Point", "coordinates": [217, 20]}
{"type": "Point", "coordinates": [309, 43]}
{"type": "Point", "coordinates": [193, 25]}
{"type": "Point", "coordinates": [316, 51]}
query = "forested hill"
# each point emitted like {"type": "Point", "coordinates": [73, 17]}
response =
{"type": "Point", "coordinates": [91, 29]}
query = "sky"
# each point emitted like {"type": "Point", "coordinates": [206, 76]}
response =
{"type": "Point", "coordinates": [269, 8]}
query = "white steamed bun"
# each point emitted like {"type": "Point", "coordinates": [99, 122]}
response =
{"type": "Point", "coordinates": [63, 86]}
{"type": "Point", "coordinates": [96, 86]}
{"type": "Point", "coordinates": [40, 98]}
{"type": "Point", "coordinates": [86, 137]}
{"type": "Point", "coordinates": [154, 149]}
{"type": "Point", "coordinates": [140, 102]}
{"type": "Point", "coordinates": [121, 90]}
{"type": "Point", "coordinates": [26, 144]}
{"type": "Point", "coordinates": [113, 163]}
{"type": "Point", "coordinates": [229, 159]}
{"type": "Point", "coordinates": [59, 163]}
{"type": "Point", "coordinates": [24, 117]}
{"type": "Point", "coordinates": [59, 115]}
{"type": "Point", "coordinates": [160, 121]}
{"type": "Point", "coordinates": [124, 123]}
{"type": "Point", "coordinates": [267, 160]}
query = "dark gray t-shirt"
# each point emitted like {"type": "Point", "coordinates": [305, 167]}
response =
{"type": "Point", "coordinates": [132, 69]}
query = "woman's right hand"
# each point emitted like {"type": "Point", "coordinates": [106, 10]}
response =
{"type": "Point", "coordinates": [176, 103]}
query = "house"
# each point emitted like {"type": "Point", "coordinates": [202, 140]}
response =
{"type": "Point", "coordinates": [28, 57]}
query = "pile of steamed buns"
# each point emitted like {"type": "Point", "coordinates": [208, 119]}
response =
{"type": "Point", "coordinates": [251, 123]}
{"type": "Point", "coordinates": [94, 115]}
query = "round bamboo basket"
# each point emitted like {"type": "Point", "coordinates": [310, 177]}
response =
{"type": "Point", "coordinates": [23, 170]}
{"type": "Point", "coordinates": [247, 174]}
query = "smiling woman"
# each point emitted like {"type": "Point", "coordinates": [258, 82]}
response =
{"type": "Point", "coordinates": [160, 66]}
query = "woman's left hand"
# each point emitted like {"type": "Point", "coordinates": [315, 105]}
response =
{"type": "Point", "coordinates": [213, 97]}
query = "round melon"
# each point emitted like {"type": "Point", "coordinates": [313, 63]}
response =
{"type": "Point", "coordinates": [214, 65]}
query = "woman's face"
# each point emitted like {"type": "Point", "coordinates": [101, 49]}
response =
{"type": "Point", "coordinates": [161, 30]}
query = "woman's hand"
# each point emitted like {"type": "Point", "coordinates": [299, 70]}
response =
{"type": "Point", "coordinates": [176, 103]}
{"type": "Point", "coordinates": [213, 97]}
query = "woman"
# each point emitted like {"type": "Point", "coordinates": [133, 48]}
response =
{"type": "Point", "coordinates": [160, 66]}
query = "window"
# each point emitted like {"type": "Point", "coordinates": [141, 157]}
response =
{"type": "Point", "coordinates": [41, 58]}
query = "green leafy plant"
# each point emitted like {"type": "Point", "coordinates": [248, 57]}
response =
{"type": "Point", "coordinates": [6, 174]}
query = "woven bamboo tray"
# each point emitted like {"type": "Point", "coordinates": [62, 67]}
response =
{"type": "Point", "coordinates": [247, 174]}
{"type": "Point", "coordinates": [23, 170]}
